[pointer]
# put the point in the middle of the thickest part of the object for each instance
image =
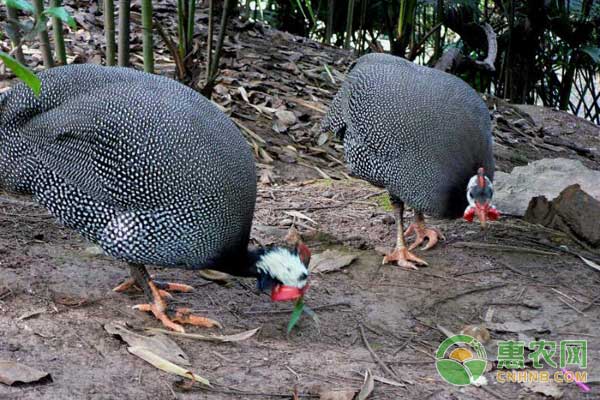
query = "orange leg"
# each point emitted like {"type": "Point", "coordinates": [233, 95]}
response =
{"type": "Point", "coordinates": [401, 256]}
{"type": "Point", "coordinates": [421, 232]}
{"type": "Point", "coordinates": [158, 304]}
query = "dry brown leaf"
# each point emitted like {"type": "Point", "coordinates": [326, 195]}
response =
{"type": "Point", "coordinates": [238, 337]}
{"type": "Point", "coordinates": [159, 344]}
{"type": "Point", "coordinates": [330, 260]}
{"type": "Point", "coordinates": [367, 386]}
{"type": "Point", "coordinates": [12, 372]}
{"type": "Point", "coordinates": [212, 275]}
{"type": "Point", "coordinates": [337, 394]}
{"type": "Point", "coordinates": [165, 365]}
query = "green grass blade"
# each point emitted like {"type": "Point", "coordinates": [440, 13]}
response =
{"type": "Point", "coordinates": [298, 309]}
{"type": "Point", "coordinates": [22, 72]}
{"type": "Point", "coordinates": [62, 14]}
{"type": "Point", "coordinates": [22, 5]}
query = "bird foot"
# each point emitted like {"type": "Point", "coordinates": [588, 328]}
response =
{"type": "Point", "coordinates": [403, 258]}
{"type": "Point", "coordinates": [163, 287]}
{"type": "Point", "coordinates": [421, 232]}
{"type": "Point", "coordinates": [169, 318]}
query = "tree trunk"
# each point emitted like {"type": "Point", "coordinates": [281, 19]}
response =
{"type": "Point", "coordinates": [13, 15]}
{"type": "Point", "coordinates": [147, 41]}
{"type": "Point", "coordinates": [38, 6]}
{"type": "Point", "coordinates": [124, 9]}
{"type": "Point", "coordinates": [109, 31]}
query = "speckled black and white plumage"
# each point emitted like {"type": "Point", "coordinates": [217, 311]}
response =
{"type": "Point", "coordinates": [140, 164]}
{"type": "Point", "coordinates": [418, 132]}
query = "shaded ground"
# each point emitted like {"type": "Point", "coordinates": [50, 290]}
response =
{"type": "Point", "coordinates": [45, 269]}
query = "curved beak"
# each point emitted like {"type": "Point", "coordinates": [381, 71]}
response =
{"type": "Point", "coordinates": [287, 293]}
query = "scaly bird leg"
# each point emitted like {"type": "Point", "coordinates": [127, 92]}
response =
{"type": "Point", "coordinates": [158, 305]}
{"type": "Point", "coordinates": [422, 232]}
{"type": "Point", "coordinates": [401, 256]}
{"type": "Point", "coordinates": [163, 287]}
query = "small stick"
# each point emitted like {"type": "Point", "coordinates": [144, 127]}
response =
{"type": "Point", "coordinates": [379, 361]}
{"type": "Point", "coordinates": [470, 291]}
{"type": "Point", "coordinates": [501, 247]}
{"type": "Point", "coordinates": [570, 306]}
{"type": "Point", "coordinates": [345, 304]}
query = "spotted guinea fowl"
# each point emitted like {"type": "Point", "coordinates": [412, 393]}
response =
{"type": "Point", "coordinates": [149, 170]}
{"type": "Point", "coordinates": [422, 134]}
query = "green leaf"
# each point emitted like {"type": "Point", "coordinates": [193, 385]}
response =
{"type": "Point", "coordinates": [22, 72]}
{"type": "Point", "coordinates": [62, 14]}
{"type": "Point", "coordinates": [298, 308]}
{"type": "Point", "coordinates": [19, 5]}
{"type": "Point", "coordinates": [593, 52]}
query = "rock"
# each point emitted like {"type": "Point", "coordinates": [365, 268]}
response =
{"type": "Point", "coordinates": [287, 118]}
{"type": "Point", "coordinates": [574, 212]}
{"type": "Point", "coordinates": [547, 177]}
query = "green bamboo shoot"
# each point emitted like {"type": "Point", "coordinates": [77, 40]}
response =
{"type": "Point", "coordinates": [147, 36]}
{"type": "Point", "coordinates": [124, 10]}
{"type": "Point", "coordinates": [38, 7]}
{"type": "Point", "coordinates": [109, 31]}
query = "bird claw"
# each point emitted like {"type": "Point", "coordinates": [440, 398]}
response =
{"type": "Point", "coordinates": [402, 257]}
{"type": "Point", "coordinates": [421, 232]}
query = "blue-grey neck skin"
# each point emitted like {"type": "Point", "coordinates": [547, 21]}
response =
{"type": "Point", "coordinates": [416, 131]}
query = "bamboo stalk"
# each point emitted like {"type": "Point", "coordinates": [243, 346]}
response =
{"type": "Point", "coordinates": [349, 20]}
{"type": "Point", "coordinates": [191, 19]}
{"type": "Point", "coordinates": [209, 38]}
{"type": "Point", "coordinates": [59, 40]}
{"type": "Point", "coordinates": [147, 42]}
{"type": "Point", "coordinates": [124, 10]}
{"type": "Point", "coordinates": [38, 7]}
{"type": "Point", "coordinates": [329, 27]}
{"type": "Point", "coordinates": [214, 66]}
{"type": "Point", "coordinates": [109, 31]}
{"type": "Point", "coordinates": [13, 15]}
{"type": "Point", "coordinates": [181, 28]}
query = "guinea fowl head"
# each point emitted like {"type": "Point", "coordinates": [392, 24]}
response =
{"type": "Point", "coordinates": [284, 271]}
{"type": "Point", "coordinates": [479, 195]}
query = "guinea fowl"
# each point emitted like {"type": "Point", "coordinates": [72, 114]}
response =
{"type": "Point", "coordinates": [149, 170]}
{"type": "Point", "coordinates": [422, 134]}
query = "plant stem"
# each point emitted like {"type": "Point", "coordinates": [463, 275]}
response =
{"type": "Point", "coordinates": [38, 7]}
{"type": "Point", "coordinates": [209, 38]}
{"type": "Point", "coordinates": [214, 66]}
{"type": "Point", "coordinates": [181, 28]}
{"type": "Point", "coordinates": [329, 27]}
{"type": "Point", "coordinates": [109, 31]}
{"type": "Point", "coordinates": [59, 40]}
{"type": "Point", "coordinates": [124, 9]}
{"type": "Point", "coordinates": [13, 15]}
{"type": "Point", "coordinates": [190, 25]}
{"type": "Point", "coordinates": [349, 20]}
{"type": "Point", "coordinates": [147, 36]}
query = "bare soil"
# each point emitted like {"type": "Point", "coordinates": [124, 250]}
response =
{"type": "Point", "coordinates": [45, 268]}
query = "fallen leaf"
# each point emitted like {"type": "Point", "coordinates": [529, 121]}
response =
{"type": "Point", "coordinates": [12, 372]}
{"type": "Point", "coordinates": [367, 386]}
{"type": "Point", "coordinates": [32, 313]}
{"type": "Point", "coordinates": [337, 394]}
{"type": "Point", "coordinates": [212, 275]}
{"type": "Point", "coordinates": [159, 344]}
{"type": "Point", "coordinates": [165, 365]}
{"type": "Point", "coordinates": [238, 337]}
{"type": "Point", "coordinates": [298, 214]}
{"type": "Point", "coordinates": [287, 118]}
{"type": "Point", "coordinates": [330, 260]}
{"type": "Point", "coordinates": [549, 389]}
{"type": "Point", "coordinates": [590, 263]}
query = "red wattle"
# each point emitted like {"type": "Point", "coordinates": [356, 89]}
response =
{"type": "Point", "coordinates": [469, 214]}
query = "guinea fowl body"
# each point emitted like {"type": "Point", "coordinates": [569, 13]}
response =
{"type": "Point", "coordinates": [145, 167]}
{"type": "Point", "coordinates": [419, 132]}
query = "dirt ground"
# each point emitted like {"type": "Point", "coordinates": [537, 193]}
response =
{"type": "Point", "coordinates": [45, 269]}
